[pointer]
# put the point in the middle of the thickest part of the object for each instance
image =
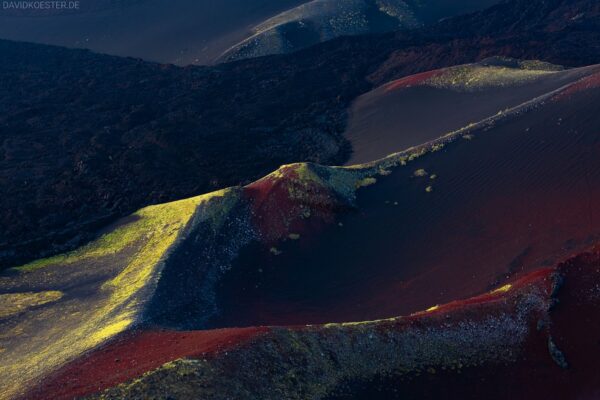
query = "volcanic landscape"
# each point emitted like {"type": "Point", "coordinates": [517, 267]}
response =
{"type": "Point", "coordinates": [404, 212]}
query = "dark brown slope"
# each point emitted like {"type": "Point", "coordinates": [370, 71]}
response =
{"type": "Point", "coordinates": [88, 138]}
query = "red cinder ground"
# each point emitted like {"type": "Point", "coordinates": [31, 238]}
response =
{"type": "Point", "coordinates": [539, 278]}
{"type": "Point", "coordinates": [413, 80]}
{"type": "Point", "coordinates": [590, 82]}
{"type": "Point", "coordinates": [279, 205]}
{"type": "Point", "coordinates": [133, 354]}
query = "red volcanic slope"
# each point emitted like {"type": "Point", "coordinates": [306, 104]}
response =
{"type": "Point", "coordinates": [540, 277]}
{"type": "Point", "coordinates": [280, 204]}
{"type": "Point", "coordinates": [590, 82]}
{"type": "Point", "coordinates": [412, 80]}
{"type": "Point", "coordinates": [557, 359]}
{"type": "Point", "coordinates": [131, 355]}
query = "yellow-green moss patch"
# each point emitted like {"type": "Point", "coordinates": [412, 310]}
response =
{"type": "Point", "coordinates": [420, 173]}
{"type": "Point", "coordinates": [477, 77]}
{"type": "Point", "coordinates": [368, 181]}
{"type": "Point", "coordinates": [15, 303]}
{"type": "Point", "coordinates": [149, 221]}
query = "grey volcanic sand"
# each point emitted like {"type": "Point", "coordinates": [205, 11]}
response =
{"type": "Point", "coordinates": [386, 121]}
{"type": "Point", "coordinates": [173, 31]}
{"type": "Point", "coordinates": [519, 196]}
